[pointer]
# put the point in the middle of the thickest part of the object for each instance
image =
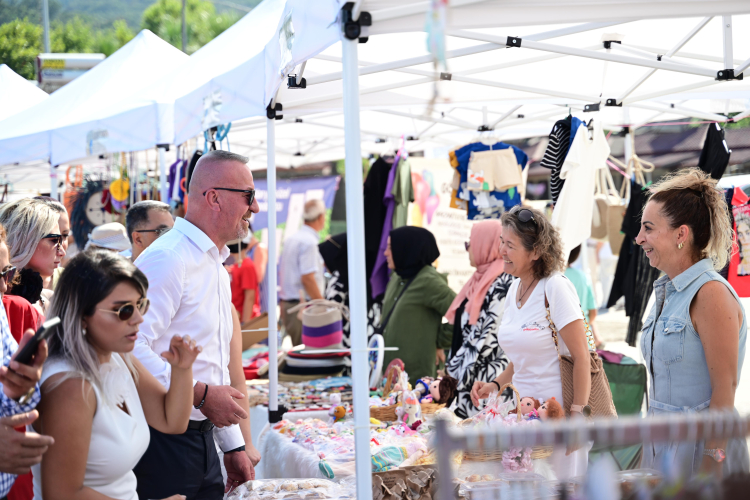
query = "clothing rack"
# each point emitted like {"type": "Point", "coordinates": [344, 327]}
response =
{"type": "Point", "coordinates": [714, 424]}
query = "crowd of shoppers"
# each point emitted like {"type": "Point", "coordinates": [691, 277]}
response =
{"type": "Point", "coordinates": [148, 358]}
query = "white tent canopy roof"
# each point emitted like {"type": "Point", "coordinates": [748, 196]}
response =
{"type": "Point", "coordinates": [17, 93]}
{"type": "Point", "coordinates": [28, 135]}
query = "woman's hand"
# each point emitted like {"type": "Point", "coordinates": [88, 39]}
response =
{"type": "Point", "coordinates": [481, 390]}
{"type": "Point", "coordinates": [182, 352]}
{"type": "Point", "coordinates": [439, 356]}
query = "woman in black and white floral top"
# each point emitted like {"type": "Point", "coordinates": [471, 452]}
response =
{"type": "Point", "coordinates": [476, 314]}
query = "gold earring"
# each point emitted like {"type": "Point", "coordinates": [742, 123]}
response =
{"type": "Point", "coordinates": [679, 246]}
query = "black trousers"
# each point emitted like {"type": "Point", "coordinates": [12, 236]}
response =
{"type": "Point", "coordinates": [185, 464]}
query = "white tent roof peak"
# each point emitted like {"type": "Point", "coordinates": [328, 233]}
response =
{"type": "Point", "coordinates": [17, 93]}
{"type": "Point", "coordinates": [137, 64]}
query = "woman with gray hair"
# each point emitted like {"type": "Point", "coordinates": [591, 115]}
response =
{"type": "Point", "coordinates": [36, 248]}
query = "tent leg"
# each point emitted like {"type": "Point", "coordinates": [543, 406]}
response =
{"type": "Point", "coordinates": [726, 24]}
{"type": "Point", "coordinates": [164, 194]}
{"type": "Point", "coordinates": [355, 237]}
{"type": "Point", "coordinates": [273, 343]}
{"type": "Point", "coordinates": [53, 181]}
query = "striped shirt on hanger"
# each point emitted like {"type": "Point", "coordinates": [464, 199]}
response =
{"type": "Point", "coordinates": [554, 156]}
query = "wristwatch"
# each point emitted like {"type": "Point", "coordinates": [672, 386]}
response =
{"type": "Point", "coordinates": [583, 410]}
{"type": "Point", "coordinates": [716, 453]}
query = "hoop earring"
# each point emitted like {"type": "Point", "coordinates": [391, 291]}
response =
{"type": "Point", "coordinates": [679, 246]}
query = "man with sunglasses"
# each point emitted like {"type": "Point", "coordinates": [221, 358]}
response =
{"type": "Point", "coordinates": [190, 293]}
{"type": "Point", "coordinates": [146, 221]}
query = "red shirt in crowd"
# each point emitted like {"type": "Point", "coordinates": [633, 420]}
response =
{"type": "Point", "coordinates": [244, 277]}
{"type": "Point", "coordinates": [21, 315]}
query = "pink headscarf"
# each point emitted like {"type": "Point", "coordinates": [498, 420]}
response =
{"type": "Point", "coordinates": [485, 248]}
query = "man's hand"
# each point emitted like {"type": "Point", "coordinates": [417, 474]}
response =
{"type": "Point", "coordinates": [253, 454]}
{"type": "Point", "coordinates": [239, 469]}
{"type": "Point", "coordinates": [18, 379]}
{"type": "Point", "coordinates": [220, 407]}
{"type": "Point", "coordinates": [21, 450]}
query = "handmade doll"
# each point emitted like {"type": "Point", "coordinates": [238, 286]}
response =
{"type": "Point", "coordinates": [422, 389]}
{"type": "Point", "coordinates": [411, 409]}
{"type": "Point", "coordinates": [443, 390]}
{"type": "Point", "coordinates": [339, 413]}
{"type": "Point", "coordinates": [527, 404]}
{"type": "Point", "coordinates": [551, 410]}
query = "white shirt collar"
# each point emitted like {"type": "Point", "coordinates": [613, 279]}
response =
{"type": "Point", "coordinates": [197, 236]}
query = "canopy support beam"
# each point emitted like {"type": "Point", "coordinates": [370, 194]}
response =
{"type": "Point", "coordinates": [273, 341]}
{"type": "Point", "coordinates": [356, 255]}
{"type": "Point", "coordinates": [726, 28]}
{"type": "Point", "coordinates": [674, 90]}
{"type": "Point", "coordinates": [669, 54]}
{"type": "Point", "coordinates": [572, 51]}
{"type": "Point", "coordinates": [741, 67]}
{"type": "Point", "coordinates": [505, 115]}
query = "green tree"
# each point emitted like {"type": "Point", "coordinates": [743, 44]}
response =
{"type": "Point", "coordinates": [75, 36]}
{"type": "Point", "coordinates": [164, 18]}
{"type": "Point", "coordinates": [108, 41]}
{"type": "Point", "coordinates": [20, 43]}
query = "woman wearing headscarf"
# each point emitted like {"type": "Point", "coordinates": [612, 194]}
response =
{"type": "Point", "coordinates": [333, 251]}
{"type": "Point", "coordinates": [416, 298]}
{"type": "Point", "coordinates": [476, 313]}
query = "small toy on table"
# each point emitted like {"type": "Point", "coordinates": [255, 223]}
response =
{"type": "Point", "coordinates": [527, 405]}
{"type": "Point", "coordinates": [551, 410]}
{"type": "Point", "coordinates": [411, 409]}
{"type": "Point", "coordinates": [443, 390]}
{"type": "Point", "coordinates": [338, 414]}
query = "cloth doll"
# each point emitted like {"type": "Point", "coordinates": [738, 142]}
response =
{"type": "Point", "coordinates": [422, 389]}
{"type": "Point", "coordinates": [551, 410]}
{"type": "Point", "coordinates": [443, 390]}
{"type": "Point", "coordinates": [411, 409]}
{"type": "Point", "coordinates": [338, 414]}
{"type": "Point", "coordinates": [527, 404]}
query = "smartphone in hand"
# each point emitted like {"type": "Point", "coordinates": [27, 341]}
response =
{"type": "Point", "coordinates": [26, 354]}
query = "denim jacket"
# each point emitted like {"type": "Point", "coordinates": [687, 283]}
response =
{"type": "Point", "coordinates": [674, 356]}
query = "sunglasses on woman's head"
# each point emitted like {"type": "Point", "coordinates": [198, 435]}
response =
{"type": "Point", "coordinates": [524, 215]}
{"type": "Point", "coordinates": [126, 311]}
{"type": "Point", "coordinates": [8, 274]}
{"type": "Point", "coordinates": [57, 239]}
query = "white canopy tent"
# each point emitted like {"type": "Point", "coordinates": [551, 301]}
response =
{"type": "Point", "coordinates": [17, 93]}
{"type": "Point", "coordinates": [28, 135]}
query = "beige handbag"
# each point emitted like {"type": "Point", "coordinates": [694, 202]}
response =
{"type": "Point", "coordinates": [600, 397]}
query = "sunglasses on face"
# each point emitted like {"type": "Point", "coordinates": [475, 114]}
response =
{"type": "Point", "coordinates": [126, 311]}
{"type": "Point", "coordinates": [57, 239]}
{"type": "Point", "coordinates": [8, 274]}
{"type": "Point", "coordinates": [160, 231]}
{"type": "Point", "coordinates": [249, 193]}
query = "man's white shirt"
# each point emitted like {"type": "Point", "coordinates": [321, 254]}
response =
{"type": "Point", "coordinates": [190, 295]}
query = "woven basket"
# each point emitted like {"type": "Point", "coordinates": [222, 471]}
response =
{"type": "Point", "coordinates": [388, 413]}
{"type": "Point", "coordinates": [537, 452]}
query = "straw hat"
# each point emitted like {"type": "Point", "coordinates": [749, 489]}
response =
{"type": "Point", "coordinates": [112, 236]}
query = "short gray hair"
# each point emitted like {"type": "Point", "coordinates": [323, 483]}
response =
{"type": "Point", "coordinates": [221, 155]}
{"type": "Point", "coordinates": [138, 214]}
{"type": "Point", "coordinates": [26, 221]}
{"type": "Point", "coordinates": [313, 210]}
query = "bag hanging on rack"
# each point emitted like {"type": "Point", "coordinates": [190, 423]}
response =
{"type": "Point", "coordinates": [599, 216]}
{"type": "Point", "coordinates": [600, 397]}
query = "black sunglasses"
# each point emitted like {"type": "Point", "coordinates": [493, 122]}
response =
{"type": "Point", "coordinates": [8, 274]}
{"type": "Point", "coordinates": [126, 311]}
{"type": "Point", "coordinates": [249, 193]}
{"type": "Point", "coordinates": [58, 239]}
{"type": "Point", "coordinates": [524, 215]}
{"type": "Point", "coordinates": [160, 231]}
{"type": "Point", "coordinates": [467, 245]}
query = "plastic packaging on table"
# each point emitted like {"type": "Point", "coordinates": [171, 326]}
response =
{"type": "Point", "coordinates": [515, 485]}
{"type": "Point", "coordinates": [628, 480]}
{"type": "Point", "coordinates": [291, 489]}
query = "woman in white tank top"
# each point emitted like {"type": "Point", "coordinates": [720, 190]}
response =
{"type": "Point", "coordinates": [97, 400]}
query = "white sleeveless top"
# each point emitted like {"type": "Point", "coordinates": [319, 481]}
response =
{"type": "Point", "coordinates": [118, 440]}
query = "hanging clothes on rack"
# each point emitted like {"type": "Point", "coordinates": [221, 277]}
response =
{"type": "Point", "coordinates": [485, 204]}
{"type": "Point", "coordinates": [634, 276]}
{"type": "Point", "coordinates": [402, 193]}
{"type": "Point", "coordinates": [375, 215]}
{"type": "Point", "coordinates": [380, 274]}
{"type": "Point", "coordinates": [715, 154]}
{"type": "Point", "coordinates": [739, 263]}
{"type": "Point", "coordinates": [574, 209]}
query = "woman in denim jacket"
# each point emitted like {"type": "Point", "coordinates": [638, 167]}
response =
{"type": "Point", "coordinates": [694, 337]}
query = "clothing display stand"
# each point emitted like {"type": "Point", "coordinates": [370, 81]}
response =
{"type": "Point", "coordinates": [624, 431]}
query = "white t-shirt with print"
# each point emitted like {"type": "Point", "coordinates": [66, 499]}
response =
{"type": "Point", "coordinates": [574, 210]}
{"type": "Point", "coordinates": [526, 337]}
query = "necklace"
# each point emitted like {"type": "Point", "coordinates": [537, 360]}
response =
{"type": "Point", "coordinates": [524, 294]}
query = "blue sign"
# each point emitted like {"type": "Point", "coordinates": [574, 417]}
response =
{"type": "Point", "coordinates": [291, 195]}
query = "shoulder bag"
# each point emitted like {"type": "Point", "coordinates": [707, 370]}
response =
{"type": "Point", "coordinates": [600, 397]}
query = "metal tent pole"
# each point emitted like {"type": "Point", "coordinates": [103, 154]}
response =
{"type": "Point", "coordinates": [273, 343]}
{"type": "Point", "coordinates": [163, 192]}
{"type": "Point", "coordinates": [355, 218]}
{"type": "Point", "coordinates": [52, 181]}
{"type": "Point", "coordinates": [726, 22]}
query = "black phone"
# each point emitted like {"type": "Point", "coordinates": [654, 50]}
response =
{"type": "Point", "coordinates": [27, 353]}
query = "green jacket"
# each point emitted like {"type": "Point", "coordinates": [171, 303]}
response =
{"type": "Point", "coordinates": [416, 325]}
